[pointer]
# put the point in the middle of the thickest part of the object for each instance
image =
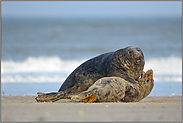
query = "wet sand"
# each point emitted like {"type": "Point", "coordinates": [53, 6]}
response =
{"type": "Point", "coordinates": [154, 109]}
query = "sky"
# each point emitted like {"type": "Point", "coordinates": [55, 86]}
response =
{"type": "Point", "coordinates": [90, 8]}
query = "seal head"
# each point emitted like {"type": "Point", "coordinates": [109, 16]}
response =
{"type": "Point", "coordinates": [130, 61]}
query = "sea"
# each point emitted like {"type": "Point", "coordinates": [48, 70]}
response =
{"type": "Point", "coordinates": [37, 54]}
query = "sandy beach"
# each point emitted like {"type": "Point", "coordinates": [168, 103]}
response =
{"type": "Point", "coordinates": [25, 108]}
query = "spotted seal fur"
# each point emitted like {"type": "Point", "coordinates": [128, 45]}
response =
{"type": "Point", "coordinates": [116, 89]}
{"type": "Point", "coordinates": [126, 63]}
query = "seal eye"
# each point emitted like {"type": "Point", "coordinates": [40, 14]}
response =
{"type": "Point", "coordinates": [138, 50]}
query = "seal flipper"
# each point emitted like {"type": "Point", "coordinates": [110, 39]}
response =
{"type": "Point", "coordinates": [40, 93]}
{"type": "Point", "coordinates": [90, 99]}
{"type": "Point", "coordinates": [85, 96]}
{"type": "Point", "coordinates": [49, 97]}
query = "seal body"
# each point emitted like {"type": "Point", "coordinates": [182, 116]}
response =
{"type": "Point", "coordinates": [116, 89]}
{"type": "Point", "coordinates": [127, 63]}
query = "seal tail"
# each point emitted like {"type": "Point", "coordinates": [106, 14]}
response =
{"type": "Point", "coordinates": [85, 96]}
{"type": "Point", "coordinates": [49, 97]}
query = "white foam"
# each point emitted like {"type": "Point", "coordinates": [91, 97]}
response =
{"type": "Point", "coordinates": [166, 69]}
{"type": "Point", "coordinates": [31, 78]}
{"type": "Point", "coordinates": [54, 69]}
{"type": "Point", "coordinates": [164, 65]}
{"type": "Point", "coordinates": [40, 64]}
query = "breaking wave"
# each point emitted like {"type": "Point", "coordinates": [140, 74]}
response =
{"type": "Point", "coordinates": [54, 69]}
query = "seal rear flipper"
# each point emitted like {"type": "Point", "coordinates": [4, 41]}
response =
{"type": "Point", "coordinates": [40, 93]}
{"type": "Point", "coordinates": [85, 96]}
{"type": "Point", "coordinates": [49, 97]}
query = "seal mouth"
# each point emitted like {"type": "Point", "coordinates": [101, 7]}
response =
{"type": "Point", "coordinates": [138, 58]}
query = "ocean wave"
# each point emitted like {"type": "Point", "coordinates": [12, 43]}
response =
{"type": "Point", "coordinates": [19, 78]}
{"type": "Point", "coordinates": [54, 69]}
{"type": "Point", "coordinates": [32, 78]}
{"type": "Point", "coordinates": [165, 65]}
{"type": "Point", "coordinates": [40, 64]}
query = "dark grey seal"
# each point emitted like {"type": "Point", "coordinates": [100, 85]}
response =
{"type": "Point", "coordinates": [127, 63]}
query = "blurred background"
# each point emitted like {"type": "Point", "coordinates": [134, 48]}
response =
{"type": "Point", "coordinates": [43, 42]}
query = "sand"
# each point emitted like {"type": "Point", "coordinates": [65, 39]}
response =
{"type": "Point", "coordinates": [154, 109]}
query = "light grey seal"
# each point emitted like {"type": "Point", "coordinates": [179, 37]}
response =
{"type": "Point", "coordinates": [116, 89]}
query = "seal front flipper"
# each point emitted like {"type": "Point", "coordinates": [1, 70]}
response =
{"type": "Point", "coordinates": [49, 97]}
{"type": "Point", "coordinates": [85, 96]}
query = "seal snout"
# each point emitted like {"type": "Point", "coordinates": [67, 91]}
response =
{"type": "Point", "coordinates": [137, 55]}
{"type": "Point", "coordinates": [138, 58]}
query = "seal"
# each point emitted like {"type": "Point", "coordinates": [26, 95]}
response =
{"type": "Point", "coordinates": [116, 89]}
{"type": "Point", "coordinates": [126, 63]}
